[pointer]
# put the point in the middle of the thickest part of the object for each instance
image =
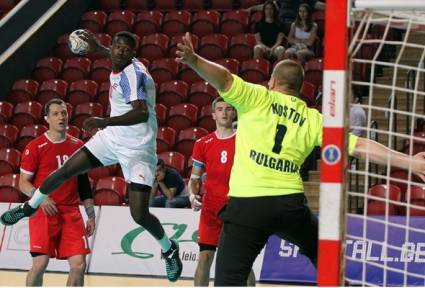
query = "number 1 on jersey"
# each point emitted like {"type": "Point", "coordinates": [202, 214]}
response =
{"type": "Point", "coordinates": [278, 139]}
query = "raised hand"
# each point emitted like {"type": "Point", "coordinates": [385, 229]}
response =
{"type": "Point", "coordinates": [185, 51]}
{"type": "Point", "coordinates": [418, 166]}
{"type": "Point", "coordinates": [94, 44]}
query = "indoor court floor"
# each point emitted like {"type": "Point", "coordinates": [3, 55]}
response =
{"type": "Point", "coordinates": [17, 278]}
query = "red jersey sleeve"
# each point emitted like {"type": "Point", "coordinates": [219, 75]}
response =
{"type": "Point", "coordinates": [198, 155]}
{"type": "Point", "coordinates": [30, 159]}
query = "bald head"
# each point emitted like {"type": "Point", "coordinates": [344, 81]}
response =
{"type": "Point", "coordinates": [289, 75]}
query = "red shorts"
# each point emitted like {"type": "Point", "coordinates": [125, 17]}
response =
{"type": "Point", "coordinates": [62, 235]}
{"type": "Point", "coordinates": [209, 225]}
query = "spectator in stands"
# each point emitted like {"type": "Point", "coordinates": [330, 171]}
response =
{"type": "Point", "coordinates": [171, 187]}
{"type": "Point", "coordinates": [288, 10]}
{"type": "Point", "coordinates": [302, 35]}
{"type": "Point", "coordinates": [268, 33]}
{"type": "Point", "coordinates": [357, 115]}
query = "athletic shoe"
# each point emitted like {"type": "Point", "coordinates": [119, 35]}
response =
{"type": "Point", "coordinates": [173, 264]}
{"type": "Point", "coordinates": [13, 215]}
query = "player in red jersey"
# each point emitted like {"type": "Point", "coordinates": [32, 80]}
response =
{"type": "Point", "coordinates": [212, 154]}
{"type": "Point", "coordinates": [57, 230]}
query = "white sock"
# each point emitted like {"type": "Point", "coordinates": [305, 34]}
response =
{"type": "Point", "coordinates": [165, 243]}
{"type": "Point", "coordinates": [37, 198]}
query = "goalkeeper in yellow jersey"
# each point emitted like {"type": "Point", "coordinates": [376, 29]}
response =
{"type": "Point", "coordinates": [276, 132]}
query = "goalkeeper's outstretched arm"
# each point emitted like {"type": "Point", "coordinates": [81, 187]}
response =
{"type": "Point", "coordinates": [380, 154]}
{"type": "Point", "coordinates": [218, 76]}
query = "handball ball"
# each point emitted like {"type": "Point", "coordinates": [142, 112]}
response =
{"type": "Point", "coordinates": [76, 44]}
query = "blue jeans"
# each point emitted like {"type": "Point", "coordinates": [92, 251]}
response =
{"type": "Point", "coordinates": [176, 202]}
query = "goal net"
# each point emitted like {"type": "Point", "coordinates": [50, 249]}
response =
{"type": "Point", "coordinates": [372, 217]}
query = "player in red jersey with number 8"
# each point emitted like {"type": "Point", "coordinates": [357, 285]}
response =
{"type": "Point", "coordinates": [212, 154]}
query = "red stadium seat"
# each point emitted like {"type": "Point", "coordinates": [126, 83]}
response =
{"type": "Point", "coordinates": [308, 93]}
{"type": "Point", "coordinates": [376, 207]}
{"type": "Point", "coordinates": [314, 72]}
{"type": "Point", "coordinates": [163, 70]}
{"type": "Point", "coordinates": [86, 110]}
{"type": "Point", "coordinates": [7, 5]}
{"type": "Point", "coordinates": [193, 5]}
{"type": "Point", "coordinates": [175, 160]}
{"type": "Point", "coordinates": [74, 131]}
{"type": "Point", "coordinates": [397, 177]}
{"type": "Point", "coordinates": [161, 113]}
{"type": "Point", "coordinates": [8, 135]}
{"type": "Point", "coordinates": [176, 22]}
{"type": "Point", "coordinates": [6, 111]}
{"type": "Point", "coordinates": [221, 5]}
{"type": "Point", "coordinates": [187, 138]}
{"type": "Point", "coordinates": [110, 191]}
{"type": "Point", "coordinates": [28, 133]}
{"type": "Point", "coordinates": [202, 93]}
{"type": "Point", "coordinates": [23, 90]}
{"type": "Point", "coordinates": [205, 119]}
{"type": "Point", "coordinates": [82, 91]}
{"type": "Point", "coordinates": [242, 46]}
{"type": "Point", "coordinates": [119, 21]}
{"type": "Point", "coordinates": [182, 116]}
{"type": "Point", "coordinates": [103, 94]}
{"type": "Point", "coordinates": [417, 197]}
{"type": "Point", "coordinates": [188, 75]}
{"type": "Point", "coordinates": [178, 39]}
{"type": "Point", "coordinates": [76, 68]}
{"type": "Point", "coordinates": [148, 22]}
{"type": "Point", "coordinates": [138, 5]}
{"type": "Point", "coordinates": [230, 63]}
{"type": "Point", "coordinates": [101, 69]}
{"type": "Point", "coordinates": [47, 68]}
{"type": "Point", "coordinates": [102, 172]}
{"type": "Point", "coordinates": [165, 139]}
{"type": "Point", "coordinates": [172, 92]}
{"type": "Point", "coordinates": [62, 50]}
{"type": "Point", "coordinates": [9, 189]}
{"type": "Point", "coordinates": [105, 40]}
{"type": "Point", "coordinates": [9, 161]}
{"type": "Point", "coordinates": [94, 21]}
{"type": "Point", "coordinates": [205, 22]}
{"type": "Point", "coordinates": [319, 18]}
{"type": "Point", "coordinates": [26, 113]}
{"type": "Point", "coordinates": [154, 46]}
{"type": "Point", "coordinates": [109, 5]}
{"type": "Point", "coordinates": [165, 5]}
{"type": "Point", "coordinates": [49, 89]}
{"type": "Point", "coordinates": [214, 46]}
{"type": "Point", "coordinates": [145, 62]}
{"type": "Point", "coordinates": [234, 22]}
{"type": "Point", "coordinates": [255, 70]}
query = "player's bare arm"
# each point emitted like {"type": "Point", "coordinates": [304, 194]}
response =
{"type": "Point", "coordinates": [380, 154]}
{"type": "Point", "coordinates": [218, 76]}
{"type": "Point", "coordinates": [194, 187]}
{"type": "Point", "coordinates": [25, 185]}
{"type": "Point", "coordinates": [138, 114]}
{"type": "Point", "coordinates": [94, 45]}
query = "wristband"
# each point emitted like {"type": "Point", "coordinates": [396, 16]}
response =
{"type": "Point", "coordinates": [194, 176]}
{"type": "Point", "coordinates": [90, 212]}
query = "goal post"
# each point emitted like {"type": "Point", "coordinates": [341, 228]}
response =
{"type": "Point", "coordinates": [376, 48]}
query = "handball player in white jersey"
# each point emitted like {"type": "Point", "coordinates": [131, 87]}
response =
{"type": "Point", "coordinates": [127, 137]}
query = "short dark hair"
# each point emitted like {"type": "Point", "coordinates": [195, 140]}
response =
{"type": "Point", "coordinates": [128, 35]}
{"type": "Point", "coordinates": [160, 163]}
{"type": "Point", "coordinates": [50, 102]}
{"type": "Point", "coordinates": [216, 100]}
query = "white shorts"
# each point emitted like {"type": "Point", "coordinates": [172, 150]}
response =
{"type": "Point", "coordinates": [131, 160]}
